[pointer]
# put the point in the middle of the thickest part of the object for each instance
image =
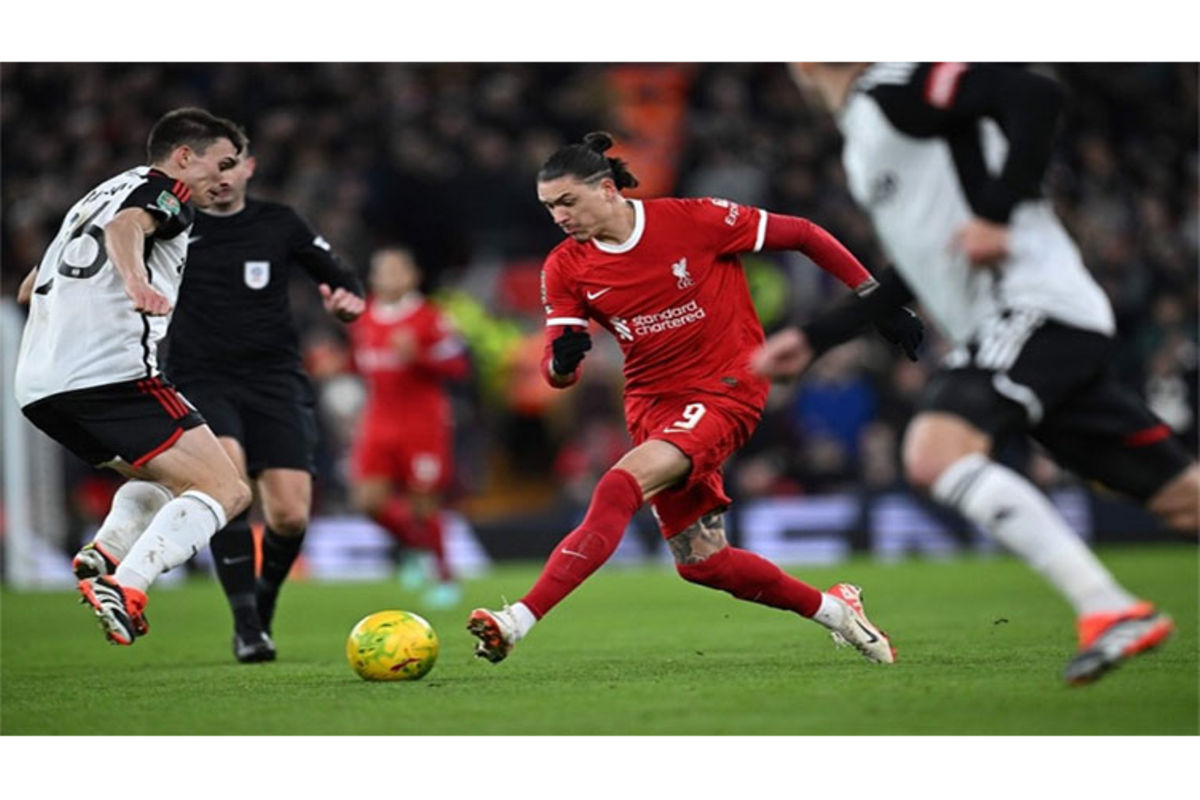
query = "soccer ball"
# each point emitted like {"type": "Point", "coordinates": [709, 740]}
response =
{"type": "Point", "coordinates": [392, 646]}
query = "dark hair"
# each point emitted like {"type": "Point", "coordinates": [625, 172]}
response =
{"type": "Point", "coordinates": [194, 127]}
{"type": "Point", "coordinates": [588, 163]}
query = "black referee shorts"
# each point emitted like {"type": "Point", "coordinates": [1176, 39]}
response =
{"type": "Point", "coordinates": [1061, 390]}
{"type": "Point", "coordinates": [133, 420]}
{"type": "Point", "coordinates": [271, 414]}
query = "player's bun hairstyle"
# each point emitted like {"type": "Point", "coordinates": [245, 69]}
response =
{"type": "Point", "coordinates": [588, 163]}
{"type": "Point", "coordinates": [194, 127]}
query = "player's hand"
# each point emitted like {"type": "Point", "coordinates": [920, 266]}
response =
{"type": "Point", "coordinates": [25, 290]}
{"type": "Point", "coordinates": [902, 328]}
{"type": "Point", "coordinates": [984, 243]}
{"type": "Point", "coordinates": [146, 300]}
{"type": "Point", "coordinates": [784, 356]}
{"type": "Point", "coordinates": [569, 349]}
{"type": "Point", "coordinates": [343, 304]}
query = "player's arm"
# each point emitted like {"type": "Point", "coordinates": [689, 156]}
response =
{"type": "Point", "coordinates": [948, 96]}
{"type": "Point", "coordinates": [442, 353]}
{"type": "Point", "coordinates": [566, 337]}
{"type": "Point", "coordinates": [788, 353]}
{"type": "Point", "coordinates": [125, 243]}
{"type": "Point", "coordinates": [874, 303]}
{"type": "Point", "coordinates": [341, 291]}
{"type": "Point", "coordinates": [1024, 104]}
{"type": "Point", "coordinates": [25, 290]}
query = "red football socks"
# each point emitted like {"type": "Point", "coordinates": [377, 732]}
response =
{"type": "Point", "coordinates": [397, 519]}
{"type": "Point", "coordinates": [408, 529]}
{"type": "Point", "coordinates": [431, 535]}
{"type": "Point", "coordinates": [748, 576]}
{"type": "Point", "coordinates": [616, 499]}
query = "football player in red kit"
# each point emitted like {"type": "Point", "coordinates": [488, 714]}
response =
{"type": "Point", "coordinates": [402, 461]}
{"type": "Point", "coordinates": [663, 277]}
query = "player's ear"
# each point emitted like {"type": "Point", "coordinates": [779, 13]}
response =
{"type": "Point", "coordinates": [182, 155]}
{"type": "Point", "coordinates": [251, 165]}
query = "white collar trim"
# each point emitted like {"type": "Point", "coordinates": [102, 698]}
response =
{"type": "Point", "coordinates": [639, 226]}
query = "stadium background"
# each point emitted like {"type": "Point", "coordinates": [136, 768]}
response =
{"type": "Point", "coordinates": [442, 157]}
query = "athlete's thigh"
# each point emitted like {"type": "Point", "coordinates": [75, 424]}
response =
{"type": "Point", "coordinates": [130, 422]}
{"type": "Point", "coordinates": [47, 417]}
{"type": "Point", "coordinates": [285, 493]}
{"type": "Point", "coordinates": [281, 423]}
{"type": "Point", "coordinates": [424, 460]}
{"type": "Point", "coordinates": [217, 402]}
{"type": "Point", "coordinates": [233, 449]}
{"type": "Point", "coordinates": [1004, 386]}
{"type": "Point", "coordinates": [968, 393]}
{"type": "Point", "coordinates": [377, 454]}
{"type": "Point", "coordinates": [707, 429]}
{"type": "Point", "coordinates": [1104, 432]}
{"type": "Point", "coordinates": [195, 460]}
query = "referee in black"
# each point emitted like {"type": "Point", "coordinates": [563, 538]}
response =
{"type": "Point", "coordinates": [234, 353]}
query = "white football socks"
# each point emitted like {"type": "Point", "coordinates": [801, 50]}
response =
{"type": "Point", "coordinates": [524, 617]}
{"type": "Point", "coordinates": [832, 613]}
{"type": "Point", "coordinates": [133, 506]}
{"type": "Point", "coordinates": [1023, 519]}
{"type": "Point", "coordinates": [177, 532]}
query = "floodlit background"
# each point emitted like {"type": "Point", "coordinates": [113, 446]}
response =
{"type": "Point", "coordinates": [442, 157]}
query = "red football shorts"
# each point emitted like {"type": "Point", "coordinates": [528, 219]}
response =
{"type": "Point", "coordinates": [414, 457]}
{"type": "Point", "coordinates": [708, 428]}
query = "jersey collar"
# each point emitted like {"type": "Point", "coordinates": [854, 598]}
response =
{"type": "Point", "coordinates": [394, 312]}
{"type": "Point", "coordinates": [639, 226]}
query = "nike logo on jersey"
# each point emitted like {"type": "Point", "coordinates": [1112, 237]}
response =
{"type": "Point", "coordinates": [193, 239]}
{"type": "Point", "coordinates": [594, 295]}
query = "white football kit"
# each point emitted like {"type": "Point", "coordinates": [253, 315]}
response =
{"type": "Point", "coordinates": [918, 171]}
{"type": "Point", "coordinates": [83, 330]}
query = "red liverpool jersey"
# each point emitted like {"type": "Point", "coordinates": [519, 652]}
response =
{"type": "Point", "coordinates": [673, 295]}
{"type": "Point", "coordinates": [399, 390]}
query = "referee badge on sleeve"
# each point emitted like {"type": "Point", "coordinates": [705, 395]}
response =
{"type": "Point", "coordinates": [257, 274]}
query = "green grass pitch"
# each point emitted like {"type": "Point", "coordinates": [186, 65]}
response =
{"type": "Point", "coordinates": [981, 643]}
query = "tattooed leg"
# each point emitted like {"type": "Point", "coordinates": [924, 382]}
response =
{"type": "Point", "coordinates": [703, 556]}
{"type": "Point", "coordinates": [701, 539]}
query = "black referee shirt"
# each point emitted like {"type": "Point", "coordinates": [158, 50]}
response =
{"type": "Point", "coordinates": [233, 315]}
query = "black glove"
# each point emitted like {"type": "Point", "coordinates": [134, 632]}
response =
{"type": "Point", "coordinates": [903, 328]}
{"type": "Point", "coordinates": [569, 349]}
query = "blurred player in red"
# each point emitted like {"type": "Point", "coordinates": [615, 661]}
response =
{"type": "Point", "coordinates": [402, 462]}
{"type": "Point", "coordinates": [664, 278]}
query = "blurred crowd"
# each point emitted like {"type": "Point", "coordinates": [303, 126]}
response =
{"type": "Point", "coordinates": [442, 157]}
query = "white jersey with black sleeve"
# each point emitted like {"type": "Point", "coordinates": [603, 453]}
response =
{"type": "Point", "coordinates": [83, 330]}
{"type": "Point", "coordinates": [928, 147]}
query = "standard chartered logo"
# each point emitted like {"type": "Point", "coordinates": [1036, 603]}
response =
{"type": "Point", "coordinates": [670, 319]}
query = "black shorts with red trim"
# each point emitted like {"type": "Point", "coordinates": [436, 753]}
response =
{"type": "Point", "coordinates": [272, 414]}
{"type": "Point", "coordinates": [134, 420]}
{"type": "Point", "coordinates": [1062, 391]}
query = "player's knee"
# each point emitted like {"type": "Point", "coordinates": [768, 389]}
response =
{"type": "Point", "coordinates": [288, 521]}
{"type": "Point", "coordinates": [238, 498]}
{"type": "Point", "coordinates": [930, 448]}
{"type": "Point", "coordinates": [144, 498]}
{"type": "Point", "coordinates": [1178, 504]}
{"type": "Point", "coordinates": [368, 500]}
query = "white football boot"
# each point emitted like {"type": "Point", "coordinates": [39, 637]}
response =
{"type": "Point", "coordinates": [497, 632]}
{"type": "Point", "coordinates": [857, 631]}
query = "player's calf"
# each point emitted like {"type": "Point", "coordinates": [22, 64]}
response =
{"type": "Point", "coordinates": [1178, 503]}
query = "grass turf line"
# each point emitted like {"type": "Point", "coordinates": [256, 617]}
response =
{"type": "Point", "coordinates": [981, 643]}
